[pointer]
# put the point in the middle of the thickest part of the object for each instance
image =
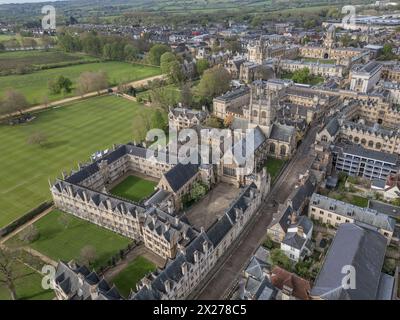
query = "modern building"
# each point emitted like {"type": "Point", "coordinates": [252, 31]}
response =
{"type": "Point", "coordinates": [356, 161]}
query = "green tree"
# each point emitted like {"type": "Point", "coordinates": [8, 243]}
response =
{"type": "Point", "coordinates": [214, 82]}
{"type": "Point", "coordinates": [387, 52]}
{"type": "Point", "coordinates": [302, 76]}
{"type": "Point", "coordinates": [396, 202]}
{"type": "Point", "coordinates": [130, 52]}
{"type": "Point", "coordinates": [171, 66]}
{"type": "Point", "coordinates": [198, 191]}
{"type": "Point", "coordinates": [107, 51]}
{"type": "Point", "coordinates": [186, 95]}
{"type": "Point", "coordinates": [214, 122]}
{"type": "Point", "coordinates": [158, 121]}
{"type": "Point", "coordinates": [61, 84]}
{"type": "Point", "coordinates": [279, 258]}
{"type": "Point", "coordinates": [155, 53]}
{"type": "Point", "coordinates": [91, 44]}
{"type": "Point", "coordinates": [201, 66]}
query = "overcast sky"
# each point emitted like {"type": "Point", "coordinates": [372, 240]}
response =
{"type": "Point", "coordinates": [23, 1]}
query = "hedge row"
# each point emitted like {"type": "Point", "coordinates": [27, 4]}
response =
{"type": "Point", "coordinates": [25, 218]}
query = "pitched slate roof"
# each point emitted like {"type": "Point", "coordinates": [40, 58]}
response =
{"type": "Point", "coordinates": [362, 215]}
{"type": "Point", "coordinates": [78, 283]}
{"type": "Point", "coordinates": [180, 174]}
{"type": "Point", "coordinates": [355, 246]}
{"type": "Point", "coordinates": [281, 132]}
{"type": "Point", "coordinates": [302, 192]}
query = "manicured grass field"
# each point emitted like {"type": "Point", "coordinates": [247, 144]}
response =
{"type": "Point", "coordinates": [134, 188]}
{"type": "Point", "coordinates": [65, 243]}
{"type": "Point", "coordinates": [28, 285]}
{"type": "Point", "coordinates": [35, 85]}
{"type": "Point", "coordinates": [74, 133]}
{"type": "Point", "coordinates": [274, 166]}
{"type": "Point", "coordinates": [134, 272]}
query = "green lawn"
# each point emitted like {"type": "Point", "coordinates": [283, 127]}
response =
{"type": "Point", "coordinates": [65, 243]}
{"type": "Point", "coordinates": [274, 167]}
{"type": "Point", "coordinates": [134, 188]}
{"type": "Point", "coordinates": [349, 198]}
{"type": "Point", "coordinates": [74, 133]}
{"type": "Point", "coordinates": [135, 271]}
{"type": "Point", "coordinates": [17, 60]}
{"type": "Point", "coordinates": [35, 85]}
{"type": "Point", "coordinates": [28, 285]}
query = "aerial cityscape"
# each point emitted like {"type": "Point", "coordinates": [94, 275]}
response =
{"type": "Point", "coordinates": [200, 150]}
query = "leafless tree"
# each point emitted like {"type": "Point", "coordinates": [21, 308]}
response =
{"type": "Point", "coordinates": [38, 137]}
{"type": "Point", "coordinates": [13, 101]}
{"type": "Point", "coordinates": [29, 234]}
{"type": "Point", "coordinates": [92, 81]}
{"type": "Point", "coordinates": [7, 271]}
{"type": "Point", "coordinates": [88, 255]}
{"type": "Point", "coordinates": [65, 219]}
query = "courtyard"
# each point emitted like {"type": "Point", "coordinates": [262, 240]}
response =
{"type": "Point", "coordinates": [131, 274]}
{"type": "Point", "coordinates": [205, 212]}
{"type": "Point", "coordinates": [62, 237]}
{"type": "Point", "coordinates": [133, 187]}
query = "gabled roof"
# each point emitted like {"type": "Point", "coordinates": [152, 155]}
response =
{"type": "Point", "coordinates": [355, 246]}
{"type": "Point", "coordinates": [281, 278]}
{"type": "Point", "coordinates": [281, 132]}
{"type": "Point", "coordinates": [180, 174]}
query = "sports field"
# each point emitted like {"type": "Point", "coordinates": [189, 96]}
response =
{"type": "Point", "coordinates": [134, 188]}
{"type": "Point", "coordinates": [74, 133]}
{"type": "Point", "coordinates": [35, 85]}
{"type": "Point", "coordinates": [61, 241]}
{"type": "Point", "coordinates": [135, 271]}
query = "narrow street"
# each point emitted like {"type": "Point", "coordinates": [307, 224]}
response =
{"type": "Point", "coordinates": [223, 277]}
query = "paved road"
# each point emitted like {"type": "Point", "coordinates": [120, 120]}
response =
{"type": "Point", "coordinates": [227, 271]}
{"type": "Point", "coordinates": [136, 84]}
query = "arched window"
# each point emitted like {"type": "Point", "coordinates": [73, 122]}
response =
{"type": "Point", "coordinates": [263, 114]}
{"type": "Point", "coordinates": [255, 113]}
{"type": "Point", "coordinates": [283, 151]}
{"type": "Point", "coordinates": [363, 141]}
{"type": "Point", "coordinates": [370, 144]}
{"type": "Point", "coordinates": [378, 145]}
{"type": "Point", "coordinates": [272, 148]}
{"type": "Point", "coordinates": [356, 139]}
{"type": "Point", "coordinates": [324, 138]}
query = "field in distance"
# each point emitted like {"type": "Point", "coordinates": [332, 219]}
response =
{"type": "Point", "coordinates": [24, 61]}
{"type": "Point", "coordinates": [35, 85]}
{"type": "Point", "coordinates": [74, 132]}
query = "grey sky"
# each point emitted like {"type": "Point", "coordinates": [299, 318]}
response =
{"type": "Point", "coordinates": [23, 1]}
